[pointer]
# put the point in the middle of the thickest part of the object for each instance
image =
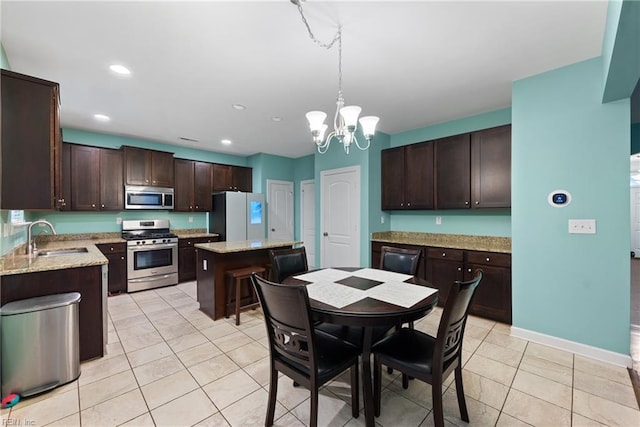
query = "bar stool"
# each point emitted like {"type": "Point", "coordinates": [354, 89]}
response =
{"type": "Point", "coordinates": [234, 280]}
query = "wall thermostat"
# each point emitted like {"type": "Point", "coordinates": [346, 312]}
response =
{"type": "Point", "coordinates": [559, 198]}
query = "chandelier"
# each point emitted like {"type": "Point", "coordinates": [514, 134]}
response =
{"type": "Point", "coordinates": [345, 120]}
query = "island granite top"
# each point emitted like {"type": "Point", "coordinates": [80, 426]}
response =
{"type": "Point", "coordinates": [244, 245]}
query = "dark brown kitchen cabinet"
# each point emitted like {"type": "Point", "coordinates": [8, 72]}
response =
{"type": "Point", "coordinates": [407, 177]}
{"type": "Point", "coordinates": [96, 179]}
{"type": "Point", "coordinates": [116, 253]}
{"type": "Point", "coordinates": [148, 167]}
{"type": "Point", "coordinates": [232, 178]}
{"type": "Point", "coordinates": [65, 204]}
{"type": "Point", "coordinates": [444, 266]}
{"type": "Point", "coordinates": [187, 257]}
{"type": "Point", "coordinates": [453, 172]}
{"type": "Point", "coordinates": [31, 143]}
{"type": "Point", "coordinates": [493, 296]}
{"type": "Point", "coordinates": [491, 168]}
{"type": "Point", "coordinates": [192, 186]}
{"type": "Point", "coordinates": [86, 280]}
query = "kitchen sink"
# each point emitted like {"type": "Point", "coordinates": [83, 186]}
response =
{"type": "Point", "coordinates": [61, 252]}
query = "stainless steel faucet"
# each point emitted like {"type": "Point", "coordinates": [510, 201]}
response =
{"type": "Point", "coordinates": [31, 245]}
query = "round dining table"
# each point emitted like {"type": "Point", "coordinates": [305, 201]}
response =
{"type": "Point", "coordinates": [368, 313]}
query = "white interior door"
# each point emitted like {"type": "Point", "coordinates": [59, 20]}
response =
{"type": "Point", "coordinates": [308, 219]}
{"type": "Point", "coordinates": [340, 204]}
{"type": "Point", "coordinates": [280, 209]}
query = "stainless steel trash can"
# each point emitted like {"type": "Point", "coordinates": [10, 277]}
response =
{"type": "Point", "coordinates": [40, 343]}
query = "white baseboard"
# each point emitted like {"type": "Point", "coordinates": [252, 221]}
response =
{"type": "Point", "coordinates": [591, 352]}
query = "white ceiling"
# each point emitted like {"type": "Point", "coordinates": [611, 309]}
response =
{"type": "Point", "coordinates": [412, 63]}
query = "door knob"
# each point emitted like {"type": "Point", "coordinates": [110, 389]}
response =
{"type": "Point", "coordinates": [273, 229]}
{"type": "Point", "coordinates": [325, 234]}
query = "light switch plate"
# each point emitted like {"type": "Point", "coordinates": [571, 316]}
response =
{"type": "Point", "coordinates": [438, 220]}
{"type": "Point", "coordinates": [582, 226]}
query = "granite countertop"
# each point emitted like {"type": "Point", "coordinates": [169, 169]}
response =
{"type": "Point", "coordinates": [454, 241]}
{"type": "Point", "coordinates": [193, 233]}
{"type": "Point", "coordinates": [17, 262]}
{"type": "Point", "coordinates": [244, 245]}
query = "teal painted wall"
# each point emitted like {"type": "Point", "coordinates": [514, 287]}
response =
{"type": "Point", "coordinates": [621, 49]}
{"type": "Point", "coordinates": [4, 61]}
{"type": "Point", "coordinates": [302, 170]}
{"type": "Point", "coordinates": [571, 286]}
{"type": "Point", "coordinates": [379, 220]}
{"type": "Point", "coordinates": [482, 223]}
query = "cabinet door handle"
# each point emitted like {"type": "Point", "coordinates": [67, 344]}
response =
{"type": "Point", "coordinates": [402, 204]}
{"type": "Point", "coordinates": [408, 204]}
{"type": "Point", "coordinates": [153, 182]}
{"type": "Point", "coordinates": [488, 259]}
{"type": "Point", "coordinates": [111, 248]}
{"type": "Point", "coordinates": [469, 270]}
{"type": "Point", "coordinates": [477, 202]}
{"type": "Point", "coordinates": [122, 257]}
{"type": "Point", "coordinates": [93, 205]}
{"type": "Point", "coordinates": [466, 203]}
{"type": "Point", "coordinates": [146, 180]}
{"type": "Point", "coordinates": [102, 206]}
{"type": "Point", "coordinates": [444, 254]}
{"type": "Point", "coordinates": [459, 268]}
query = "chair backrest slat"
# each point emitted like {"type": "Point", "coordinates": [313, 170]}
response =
{"type": "Point", "coordinates": [454, 319]}
{"type": "Point", "coordinates": [288, 317]}
{"type": "Point", "coordinates": [399, 260]}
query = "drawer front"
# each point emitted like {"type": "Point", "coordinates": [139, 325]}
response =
{"type": "Point", "coordinates": [489, 258]}
{"type": "Point", "coordinates": [445, 253]}
{"type": "Point", "coordinates": [114, 248]}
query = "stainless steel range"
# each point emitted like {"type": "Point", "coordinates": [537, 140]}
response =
{"type": "Point", "coordinates": [152, 254]}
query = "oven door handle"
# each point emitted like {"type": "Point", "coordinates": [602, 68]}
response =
{"type": "Point", "coordinates": [150, 278]}
{"type": "Point", "coordinates": [152, 247]}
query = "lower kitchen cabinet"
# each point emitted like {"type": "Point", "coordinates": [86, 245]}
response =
{"type": "Point", "coordinates": [86, 280]}
{"type": "Point", "coordinates": [443, 266]}
{"type": "Point", "coordinates": [116, 253]}
{"type": "Point", "coordinates": [187, 257]}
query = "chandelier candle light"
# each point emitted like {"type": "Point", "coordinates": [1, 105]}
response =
{"type": "Point", "coordinates": [345, 121]}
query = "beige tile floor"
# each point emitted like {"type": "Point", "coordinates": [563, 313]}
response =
{"type": "Point", "coordinates": [168, 364]}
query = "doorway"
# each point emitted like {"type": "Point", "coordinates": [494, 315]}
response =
{"type": "Point", "coordinates": [340, 222]}
{"type": "Point", "coordinates": [280, 208]}
{"type": "Point", "coordinates": [308, 219]}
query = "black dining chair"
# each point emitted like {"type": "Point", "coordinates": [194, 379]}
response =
{"type": "Point", "coordinates": [287, 262]}
{"type": "Point", "coordinates": [311, 359]}
{"type": "Point", "coordinates": [399, 260]}
{"type": "Point", "coordinates": [430, 359]}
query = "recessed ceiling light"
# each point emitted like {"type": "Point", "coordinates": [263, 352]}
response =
{"type": "Point", "coordinates": [239, 107]}
{"type": "Point", "coordinates": [120, 69]}
{"type": "Point", "coordinates": [225, 141]}
{"type": "Point", "coordinates": [101, 117]}
{"type": "Point", "coordinates": [276, 119]}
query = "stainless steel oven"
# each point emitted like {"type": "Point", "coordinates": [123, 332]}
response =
{"type": "Point", "coordinates": [152, 254]}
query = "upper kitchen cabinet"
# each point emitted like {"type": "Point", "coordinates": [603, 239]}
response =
{"type": "Point", "coordinates": [193, 186]}
{"type": "Point", "coordinates": [453, 172]}
{"type": "Point", "coordinates": [407, 177]}
{"type": "Point", "coordinates": [232, 178]}
{"type": "Point", "coordinates": [491, 168]}
{"type": "Point", "coordinates": [31, 143]}
{"type": "Point", "coordinates": [148, 167]}
{"type": "Point", "coordinates": [96, 179]}
{"type": "Point", "coordinates": [474, 170]}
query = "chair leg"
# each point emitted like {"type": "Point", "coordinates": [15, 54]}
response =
{"type": "Point", "coordinates": [405, 381]}
{"type": "Point", "coordinates": [238, 293]}
{"type": "Point", "coordinates": [273, 390]}
{"type": "Point", "coordinates": [313, 420]}
{"type": "Point", "coordinates": [438, 413]}
{"type": "Point", "coordinates": [355, 390]}
{"type": "Point", "coordinates": [377, 384]}
{"type": "Point", "coordinates": [462, 404]}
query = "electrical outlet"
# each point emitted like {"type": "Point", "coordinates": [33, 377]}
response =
{"type": "Point", "coordinates": [118, 220]}
{"type": "Point", "coordinates": [6, 229]}
{"type": "Point", "coordinates": [382, 219]}
{"type": "Point", "coordinates": [190, 219]}
{"type": "Point", "coordinates": [438, 220]}
{"type": "Point", "coordinates": [582, 226]}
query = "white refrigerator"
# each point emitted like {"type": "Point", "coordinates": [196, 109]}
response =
{"type": "Point", "coordinates": [238, 216]}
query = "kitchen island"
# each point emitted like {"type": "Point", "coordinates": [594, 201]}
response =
{"type": "Point", "coordinates": [214, 259]}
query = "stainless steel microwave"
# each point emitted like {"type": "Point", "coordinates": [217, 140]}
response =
{"type": "Point", "coordinates": [136, 197]}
